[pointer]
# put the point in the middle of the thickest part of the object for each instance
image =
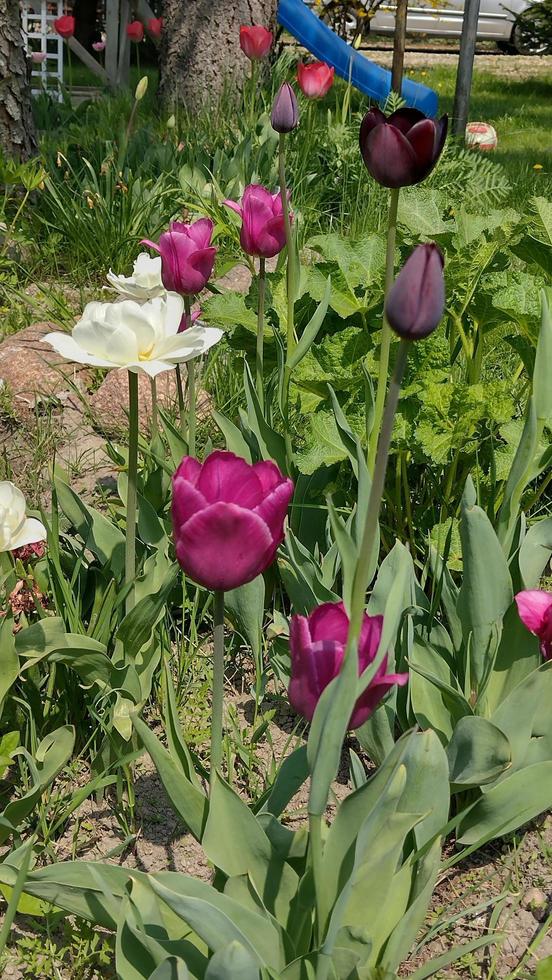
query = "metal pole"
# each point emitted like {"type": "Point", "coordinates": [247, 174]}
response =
{"type": "Point", "coordinates": [465, 67]}
{"type": "Point", "coordinates": [399, 45]}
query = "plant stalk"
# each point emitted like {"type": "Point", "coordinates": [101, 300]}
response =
{"type": "Point", "coordinates": [130, 543]}
{"type": "Point", "coordinates": [259, 361]}
{"type": "Point", "coordinates": [386, 329]}
{"type": "Point", "coordinates": [154, 426]}
{"type": "Point", "coordinates": [218, 685]}
{"type": "Point", "coordinates": [291, 294]}
{"type": "Point", "coordinates": [315, 850]}
{"type": "Point", "coordinates": [191, 385]}
{"type": "Point", "coordinates": [181, 402]}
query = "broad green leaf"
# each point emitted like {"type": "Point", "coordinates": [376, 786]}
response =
{"type": "Point", "coordinates": [245, 608]}
{"type": "Point", "coordinates": [9, 659]}
{"type": "Point", "coordinates": [478, 752]}
{"type": "Point", "coordinates": [51, 755]}
{"type": "Point", "coordinates": [535, 552]}
{"type": "Point", "coordinates": [137, 626]}
{"type": "Point", "coordinates": [525, 718]}
{"type": "Point", "coordinates": [509, 804]}
{"type": "Point", "coordinates": [436, 700]}
{"type": "Point", "coordinates": [310, 332]}
{"type": "Point", "coordinates": [234, 439]}
{"type": "Point", "coordinates": [420, 213]}
{"type": "Point", "coordinates": [100, 535]}
{"type": "Point", "coordinates": [290, 777]}
{"type": "Point", "coordinates": [324, 446]}
{"type": "Point", "coordinates": [542, 389]}
{"type": "Point", "coordinates": [518, 656]}
{"type": "Point", "coordinates": [232, 962]}
{"type": "Point", "coordinates": [544, 969]}
{"type": "Point", "coordinates": [228, 310]}
{"type": "Point", "coordinates": [171, 969]}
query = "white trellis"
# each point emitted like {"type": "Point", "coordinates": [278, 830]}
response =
{"type": "Point", "coordinates": [38, 18]}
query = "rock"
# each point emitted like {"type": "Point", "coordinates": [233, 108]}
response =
{"type": "Point", "coordinates": [109, 404]}
{"type": "Point", "coordinates": [32, 371]}
{"type": "Point", "coordinates": [536, 902]}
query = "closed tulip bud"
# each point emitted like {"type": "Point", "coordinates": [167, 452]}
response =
{"type": "Point", "coordinates": [65, 26]}
{"type": "Point", "coordinates": [171, 122]}
{"type": "Point", "coordinates": [416, 300]}
{"type": "Point", "coordinates": [317, 644]}
{"type": "Point", "coordinates": [263, 230]}
{"type": "Point", "coordinates": [403, 148]}
{"type": "Point", "coordinates": [141, 88]}
{"type": "Point", "coordinates": [255, 41]}
{"type": "Point", "coordinates": [228, 518]}
{"type": "Point", "coordinates": [285, 111]}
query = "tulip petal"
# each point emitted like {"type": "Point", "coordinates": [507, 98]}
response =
{"type": "Point", "coordinates": [271, 238]}
{"type": "Point", "coordinates": [30, 531]}
{"type": "Point", "coordinates": [188, 343]}
{"type": "Point", "coordinates": [368, 702]}
{"type": "Point", "coordinates": [224, 546]}
{"type": "Point", "coordinates": [189, 469]}
{"type": "Point", "coordinates": [370, 636]}
{"type": "Point", "coordinates": [314, 666]}
{"type": "Point", "coordinates": [389, 157]}
{"type": "Point", "coordinates": [233, 206]}
{"type": "Point", "coordinates": [404, 119]}
{"type": "Point", "coordinates": [201, 232]}
{"type": "Point", "coordinates": [186, 499]}
{"type": "Point", "coordinates": [329, 620]}
{"type": "Point", "coordinates": [64, 344]}
{"type": "Point", "coordinates": [200, 266]}
{"type": "Point", "coordinates": [533, 606]}
{"type": "Point", "coordinates": [375, 117]}
{"type": "Point", "coordinates": [273, 509]}
{"type": "Point", "coordinates": [268, 474]}
{"type": "Point", "coordinates": [151, 367]}
{"type": "Point", "coordinates": [225, 476]}
{"type": "Point", "coordinates": [441, 129]}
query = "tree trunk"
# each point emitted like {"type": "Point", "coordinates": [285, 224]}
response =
{"type": "Point", "coordinates": [17, 132]}
{"type": "Point", "coordinates": [200, 50]}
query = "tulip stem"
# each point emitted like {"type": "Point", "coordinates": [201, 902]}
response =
{"type": "Point", "coordinates": [218, 685]}
{"type": "Point", "coordinates": [130, 543]}
{"type": "Point", "coordinates": [291, 294]}
{"type": "Point", "coordinates": [315, 851]}
{"type": "Point", "coordinates": [191, 385]}
{"type": "Point", "coordinates": [181, 403]}
{"type": "Point", "coordinates": [259, 363]}
{"type": "Point", "coordinates": [153, 407]}
{"type": "Point", "coordinates": [385, 330]}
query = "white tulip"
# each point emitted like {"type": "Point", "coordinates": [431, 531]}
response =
{"type": "Point", "coordinates": [144, 283]}
{"type": "Point", "coordinates": [16, 529]}
{"type": "Point", "coordinates": [136, 336]}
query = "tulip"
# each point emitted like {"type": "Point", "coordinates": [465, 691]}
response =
{"type": "Point", "coordinates": [416, 301]}
{"type": "Point", "coordinates": [228, 518]}
{"type": "Point", "coordinates": [285, 112]}
{"type": "Point", "coordinates": [187, 256]}
{"type": "Point", "coordinates": [135, 31]}
{"type": "Point", "coordinates": [65, 26]}
{"type": "Point", "coordinates": [263, 230]}
{"type": "Point", "coordinates": [144, 283]}
{"type": "Point", "coordinates": [38, 57]}
{"type": "Point", "coordinates": [188, 321]}
{"type": "Point", "coordinates": [16, 529]}
{"type": "Point", "coordinates": [36, 549]}
{"type": "Point", "coordinates": [98, 46]}
{"type": "Point", "coordinates": [403, 148]}
{"type": "Point", "coordinates": [315, 80]}
{"type": "Point", "coordinates": [155, 26]}
{"type": "Point", "coordinates": [535, 611]}
{"type": "Point", "coordinates": [255, 42]}
{"type": "Point", "coordinates": [317, 644]}
{"type": "Point", "coordinates": [139, 337]}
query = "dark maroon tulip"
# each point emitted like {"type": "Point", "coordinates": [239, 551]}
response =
{"type": "Point", "coordinates": [403, 148]}
{"type": "Point", "coordinates": [285, 112]}
{"type": "Point", "coordinates": [416, 300]}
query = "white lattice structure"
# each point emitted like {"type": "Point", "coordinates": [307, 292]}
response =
{"type": "Point", "coordinates": [38, 18]}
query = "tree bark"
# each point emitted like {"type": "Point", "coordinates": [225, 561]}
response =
{"type": "Point", "coordinates": [200, 50]}
{"type": "Point", "coordinates": [17, 131]}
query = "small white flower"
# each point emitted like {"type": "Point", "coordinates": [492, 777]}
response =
{"type": "Point", "coordinates": [16, 529]}
{"type": "Point", "coordinates": [136, 336]}
{"type": "Point", "coordinates": [144, 283]}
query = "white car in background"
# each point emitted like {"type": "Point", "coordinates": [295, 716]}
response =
{"type": "Point", "coordinates": [443, 18]}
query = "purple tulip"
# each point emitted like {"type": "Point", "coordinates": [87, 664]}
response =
{"type": "Point", "coordinates": [416, 300]}
{"type": "Point", "coordinates": [187, 256]}
{"type": "Point", "coordinates": [228, 518]}
{"type": "Point", "coordinates": [263, 230]}
{"type": "Point", "coordinates": [403, 148]}
{"type": "Point", "coordinates": [535, 612]}
{"type": "Point", "coordinates": [285, 111]}
{"type": "Point", "coordinates": [317, 643]}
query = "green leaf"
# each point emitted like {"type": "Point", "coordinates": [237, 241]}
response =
{"type": "Point", "coordinates": [9, 659]}
{"type": "Point", "coordinates": [323, 442]}
{"type": "Point", "coordinates": [100, 535]}
{"type": "Point", "coordinates": [542, 389]}
{"type": "Point", "coordinates": [310, 332]}
{"type": "Point", "coordinates": [245, 609]}
{"type": "Point", "coordinates": [228, 310]}
{"type": "Point", "coordinates": [137, 627]}
{"type": "Point", "coordinates": [171, 969]}
{"type": "Point", "coordinates": [436, 699]}
{"type": "Point", "coordinates": [290, 777]}
{"type": "Point", "coordinates": [478, 752]}
{"type": "Point", "coordinates": [544, 969]}
{"type": "Point", "coordinates": [420, 213]}
{"type": "Point", "coordinates": [234, 439]}
{"type": "Point", "coordinates": [232, 962]}
{"type": "Point", "coordinates": [525, 717]}
{"type": "Point", "coordinates": [51, 755]}
{"type": "Point", "coordinates": [509, 804]}
{"type": "Point", "coordinates": [535, 552]}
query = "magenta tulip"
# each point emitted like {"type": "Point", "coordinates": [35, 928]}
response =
{"type": "Point", "coordinates": [65, 26]}
{"type": "Point", "coordinates": [255, 41]}
{"type": "Point", "coordinates": [228, 518]}
{"type": "Point", "coordinates": [317, 643]}
{"type": "Point", "coordinates": [535, 611]}
{"type": "Point", "coordinates": [187, 256]}
{"type": "Point", "coordinates": [285, 111]}
{"type": "Point", "coordinates": [403, 148]}
{"type": "Point", "coordinates": [315, 80]}
{"type": "Point", "coordinates": [263, 230]}
{"type": "Point", "coordinates": [416, 300]}
{"type": "Point", "coordinates": [135, 31]}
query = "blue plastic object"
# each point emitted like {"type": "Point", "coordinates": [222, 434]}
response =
{"type": "Point", "coordinates": [325, 45]}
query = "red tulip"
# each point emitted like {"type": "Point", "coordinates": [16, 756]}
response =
{"type": "Point", "coordinates": [155, 26]}
{"type": "Point", "coordinates": [416, 300]}
{"type": "Point", "coordinates": [535, 612]}
{"type": "Point", "coordinates": [403, 148]}
{"type": "Point", "coordinates": [263, 231]}
{"type": "Point", "coordinates": [187, 256]}
{"type": "Point", "coordinates": [315, 80]}
{"type": "Point", "coordinates": [135, 31]}
{"type": "Point", "coordinates": [255, 42]}
{"type": "Point", "coordinates": [317, 644]}
{"type": "Point", "coordinates": [65, 26]}
{"type": "Point", "coordinates": [228, 518]}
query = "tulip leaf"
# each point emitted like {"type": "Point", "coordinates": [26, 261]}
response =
{"type": "Point", "coordinates": [542, 389]}
{"type": "Point", "coordinates": [9, 659]}
{"type": "Point", "coordinates": [535, 552]}
{"type": "Point", "coordinates": [233, 437]}
{"type": "Point", "coordinates": [231, 962]}
{"type": "Point", "coordinates": [245, 609]}
{"type": "Point", "coordinates": [521, 473]}
{"type": "Point", "coordinates": [509, 804]}
{"type": "Point", "coordinates": [436, 701]}
{"type": "Point", "coordinates": [311, 330]}
{"type": "Point", "coordinates": [517, 657]}
{"type": "Point", "coordinates": [171, 969]}
{"type": "Point", "coordinates": [271, 443]}
{"type": "Point", "coordinates": [100, 535]}
{"type": "Point", "coordinates": [51, 755]}
{"type": "Point", "coordinates": [525, 717]}
{"type": "Point", "coordinates": [478, 752]}
{"type": "Point", "coordinates": [290, 777]}
{"type": "Point", "coordinates": [137, 627]}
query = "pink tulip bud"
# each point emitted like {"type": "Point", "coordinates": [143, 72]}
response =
{"type": "Point", "coordinates": [403, 148]}
{"type": "Point", "coordinates": [187, 256]}
{"type": "Point", "coordinates": [317, 644]}
{"type": "Point", "coordinates": [135, 31]}
{"type": "Point", "coordinates": [228, 518]}
{"type": "Point", "coordinates": [535, 611]}
{"type": "Point", "coordinates": [285, 111]}
{"type": "Point", "coordinates": [98, 46]}
{"type": "Point", "coordinates": [263, 231]}
{"type": "Point", "coordinates": [416, 300]}
{"type": "Point", "coordinates": [155, 26]}
{"type": "Point", "coordinates": [38, 57]}
{"type": "Point", "coordinates": [255, 41]}
{"type": "Point", "coordinates": [65, 26]}
{"type": "Point", "coordinates": [315, 80]}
